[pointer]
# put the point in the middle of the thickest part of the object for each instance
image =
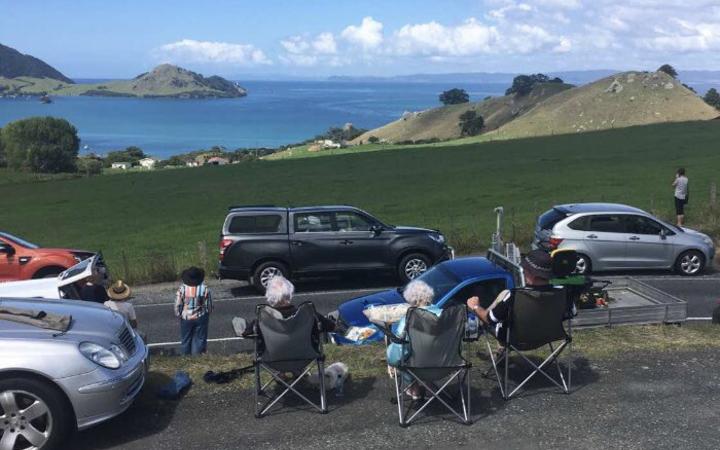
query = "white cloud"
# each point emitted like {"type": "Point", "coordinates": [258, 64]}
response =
{"type": "Point", "coordinates": [685, 36]}
{"type": "Point", "coordinates": [308, 51]}
{"type": "Point", "coordinates": [192, 51]}
{"type": "Point", "coordinates": [368, 35]}
{"type": "Point", "coordinates": [325, 44]}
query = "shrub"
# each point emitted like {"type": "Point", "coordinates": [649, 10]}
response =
{"type": "Point", "coordinates": [668, 69]}
{"type": "Point", "coordinates": [454, 97]}
{"type": "Point", "coordinates": [373, 139]}
{"type": "Point", "coordinates": [471, 123]}
{"type": "Point", "coordinates": [712, 98]}
{"type": "Point", "coordinates": [41, 144]}
{"type": "Point", "coordinates": [89, 166]}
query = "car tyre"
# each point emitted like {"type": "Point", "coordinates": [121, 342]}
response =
{"type": "Point", "coordinates": [48, 272]}
{"type": "Point", "coordinates": [583, 265]}
{"type": "Point", "coordinates": [48, 423]}
{"type": "Point", "coordinates": [265, 271]}
{"type": "Point", "coordinates": [690, 263]}
{"type": "Point", "coordinates": [412, 266]}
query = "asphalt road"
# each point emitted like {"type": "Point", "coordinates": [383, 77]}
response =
{"type": "Point", "coordinates": [233, 299]}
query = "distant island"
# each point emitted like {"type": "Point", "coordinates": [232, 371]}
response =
{"type": "Point", "coordinates": [25, 75]}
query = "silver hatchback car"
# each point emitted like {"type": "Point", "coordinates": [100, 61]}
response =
{"type": "Point", "coordinates": [611, 236]}
{"type": "Point", "coordinates": [52, 380]}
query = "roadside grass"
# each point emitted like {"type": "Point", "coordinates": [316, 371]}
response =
{"type": "Point", "coordinates": [597, 344]}
{"type": "Point", "coordinates": [150, 225]}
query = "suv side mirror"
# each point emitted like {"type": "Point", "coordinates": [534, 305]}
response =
{"type": "Point", "coordinates": [663, 233]}
{"type": "Point", "coordinates": [376, 229]}
{"type": "Point", "coordinates": [9, 250]}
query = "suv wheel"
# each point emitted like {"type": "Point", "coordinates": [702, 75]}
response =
{"type": "Point", "coordinates": [583, 265]}
{"type": "Point", "coordinates": [412, 266]}
{"type": "Point", "coordinates": [33, 415]}
{"type": "Point", "coordinates": [690, 263]}
{"type": "Point", "coordinates": [265, 271]}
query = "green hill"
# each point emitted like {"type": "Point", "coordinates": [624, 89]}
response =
{"type": "Point", "coordinates": [141, 220]}
{"type": "Point", "coordinates": [164, 81]}
{"type": "Point", "coordinates": [622, 100]}
{"type": "Point", "coordinates": [442, 122]}
{"type": "Point", "coordinates": [14, 64]}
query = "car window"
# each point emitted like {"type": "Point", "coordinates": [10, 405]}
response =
{"type": "Point", "coordinates": [19, 241]}
{"type": "Point", "coordinates": [485, 290]}
{"type": "Point", "coordinates": [313, 222]}
{"type": "Point", "coordinates": [549, 218]}
{"type": "Point", "coordinates": [607, 223]}
{"type": "Point", "coordinates": [265, 223]}
{"type": "Point", "coordinates": [642, 225]}
{"type": "Point", "coordinates": [350, 221]}
{"type": "Point", "coordinates": [580, 224]}
{"type": "Point", "coordinates": [440, 280]}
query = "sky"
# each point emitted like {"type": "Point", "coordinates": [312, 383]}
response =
{"type": "Point", "coordinates": [317, 38]}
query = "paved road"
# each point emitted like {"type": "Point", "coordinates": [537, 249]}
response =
{"type": "Point", "coordinates": [234, 299]}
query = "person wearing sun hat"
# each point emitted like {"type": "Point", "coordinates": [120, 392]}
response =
{"type": "Point", "coordinates": [193, 305]}
{"type": "Point", "coordinates": [119, 293]}
{"type": "Point", "coordinates": [537, 269]}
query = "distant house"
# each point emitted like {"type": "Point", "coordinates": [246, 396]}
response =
{"type": "Point", "coordinates": [217, 161]}
{"type": "Point", "coordinates": [192, 163]}
{"type": "Point", "coordinates": [328, 143]}
{"type": "Point", "coordinates": [121, 165]}
{"type": "Point", "coordinates": [147, 163]}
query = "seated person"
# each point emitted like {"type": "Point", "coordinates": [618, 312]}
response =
{"type": "Point", "coordinates": [278, 294]}
{"type": "Point", "coordinates": [537, 268]}
{"type": "Point", "coordinates": [119, 294]}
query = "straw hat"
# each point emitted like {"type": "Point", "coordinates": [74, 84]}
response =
{"type": "Point", "coordinates": [119, 291]}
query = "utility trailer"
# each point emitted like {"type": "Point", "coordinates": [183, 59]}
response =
{"type": "Point", "coordinates": [633, 302]}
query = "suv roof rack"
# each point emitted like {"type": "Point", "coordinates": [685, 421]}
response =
{"type": "Point", "coordinates": [250, 206]}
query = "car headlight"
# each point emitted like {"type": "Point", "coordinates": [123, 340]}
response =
{"type": "Point", "coordinates": [437, 237]}
{"type": "Point", "coordinates": [102, 356]}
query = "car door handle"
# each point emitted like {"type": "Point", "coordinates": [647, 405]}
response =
{"type": "Point", "coordinates": [592, 236]}
{"type": "Point", "coordinates": [346, 242]}
{"type": "Point", "coordinates": [634, 238]}
{"type": "Point", "coordinates": [297, 243]}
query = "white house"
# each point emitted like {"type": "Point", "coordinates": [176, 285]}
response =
{"type": "Point", "coordinates": [328, 143]}
{"type": "Point", "coordinates": [217, 161]}
{"type": "Point", "coordinates": [121, 165]}
{"type": "Point", "coordinates": [148, 163]}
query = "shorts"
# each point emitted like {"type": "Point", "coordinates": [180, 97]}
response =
{"type": "Point", "coordinates": [680, 206]}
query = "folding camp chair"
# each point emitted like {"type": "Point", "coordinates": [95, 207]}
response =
{"type": "Point", "coordinates": [435, 347]}
{"type": "Point", "coordinates": [536, 320]}
{"type": "Point", "coordinates": [287, 345]}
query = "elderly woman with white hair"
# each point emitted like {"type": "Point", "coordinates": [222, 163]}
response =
{"type": "Point", "coordinates": [278, 294]}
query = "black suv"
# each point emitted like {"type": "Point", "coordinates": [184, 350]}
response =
{"type": "Point", "coordinates": [258, 242]}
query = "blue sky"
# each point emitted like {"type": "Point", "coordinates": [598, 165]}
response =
{"type": "Point", "coordinates": [103, 39]}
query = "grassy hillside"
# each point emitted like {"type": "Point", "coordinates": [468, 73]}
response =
{"type": "Point", "coordinates": [163, 81]}
{"type": "Point", "coordinates": [152, 222]}
{"type": "Point", "coordinates": [14, 64]}
{"type": "Point", "coordinates": [622, 100]}
{"type": "Point", "coordinates": [442, 123]}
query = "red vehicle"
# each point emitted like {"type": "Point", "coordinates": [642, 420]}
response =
{"type": "Point", "coordinates": [23, 260]}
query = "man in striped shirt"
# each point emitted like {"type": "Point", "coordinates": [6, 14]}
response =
{"type": "Point", "coordinates": [193, 305]}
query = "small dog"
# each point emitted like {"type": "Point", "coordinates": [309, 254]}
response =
{"type": "Point", "coordinates": [335, 376]}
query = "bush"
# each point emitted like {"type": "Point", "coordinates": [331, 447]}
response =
{"type": "Point", "coordinates": [668, 69]}
{"type": "Point", "coordinates": [373, 139]}
{"type": "Point", "coordinates": [41, 144]}
{"type": "Point", "coordinates": [454, 97]}
{"type": "Point", "coordinates": [89, 166]}
{"type": "Point", "coordinates": [712, 98]}
{"type": "Point", "coordinates": [471, 123]}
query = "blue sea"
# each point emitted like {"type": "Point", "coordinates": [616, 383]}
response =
{"type": "Point", "coordinates": [273, 114]}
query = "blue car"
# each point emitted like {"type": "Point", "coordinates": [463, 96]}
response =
{"type": "Point", "coordinates": [454, 282]}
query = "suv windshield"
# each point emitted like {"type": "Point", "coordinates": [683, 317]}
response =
{"type": "Point", "coordinates": [19, 241]}
{"type": "Point", "coordinates": [440, 280]}
{"type": "Point", "coordinates": [548, 219]}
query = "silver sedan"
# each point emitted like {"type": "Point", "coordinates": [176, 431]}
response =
{"type": "Point", "coordinates": [55, 381]}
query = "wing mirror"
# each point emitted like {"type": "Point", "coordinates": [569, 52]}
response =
{"type": "Point", "coordinates": [663, 234]}
{"type": "Point", "coordinates": [376, 229]}
{"type": "Point", "coordinates": [9, 250]}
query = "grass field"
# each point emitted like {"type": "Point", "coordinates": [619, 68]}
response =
{"type": "Point", "coordinates": [150, 224]}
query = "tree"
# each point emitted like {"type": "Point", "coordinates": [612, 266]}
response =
{"type": "Point", "coordinates": [454, 97]}
{"type": "Point", "coordinates": [89, 166]}
{"type": "Point", "coordinates": [373, 139]}
{"type": "Point", "coordinates": [41, 144]}
{"type": "Point", "coordinates": [471, 123]}
{"type": "Point", "coordinates": [131, 154]}
{"type": "Point", "coordinates": [712, 98]}
{"type": "Point", "coordinates": [668, 69]}
{"type": "Point", "coordinates": [524, 84]}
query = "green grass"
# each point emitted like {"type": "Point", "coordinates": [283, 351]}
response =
{"type": "Point", "coordinates": [150, 224]}
{"type": "Point", "coordinates": [599, 344]}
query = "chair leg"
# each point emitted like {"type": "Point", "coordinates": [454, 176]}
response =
{"type": "Point", "coordinates": [400, 393]}
{"type": "Point", "coordinates": [258, 390]}
{"type": "Point", "coordinates": [504, 389]}
{"type": "Point", "coordinates": [321, 377]}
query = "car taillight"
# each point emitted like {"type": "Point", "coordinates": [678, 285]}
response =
{"type": "Point", "coordinates": [224, 244]}
{"type": "Point", "coordinates": [554, 242]}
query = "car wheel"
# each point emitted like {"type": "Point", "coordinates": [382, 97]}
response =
{"type": "Point", "coordinates": [412, 266]}
{"type": "Point", "coordinates": [48, 272]}
{"type": "Point", "coordinates": [33, 415]}
{"type": "Point", "coordinates": [265, 271]}
{"type": "Point", "coordinates": [690, 263]}
{"type": "Point", "coordinates": [583, 265]}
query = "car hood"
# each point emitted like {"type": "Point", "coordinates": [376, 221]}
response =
{"type": "Point", "coordinates": [413, 230]}
{"type": "Point", "coordinates": [43, 287]}
{"type": "Point", "coordinates": [351, 311]}
{"type": "Point", "coordinates": [692, 232]}
{"type": "Point", "coordinates": [90, 321]}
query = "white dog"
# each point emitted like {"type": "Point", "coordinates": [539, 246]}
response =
{"type": "Point", "coordinates": [335, 376]}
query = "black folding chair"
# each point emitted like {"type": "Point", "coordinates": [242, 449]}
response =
{"type": "Point", "coordinates": [537, 320]}
{"type": "Point", "coordinates": [435, 361]}
{"type": "Point", "coordinates": [285, 345]}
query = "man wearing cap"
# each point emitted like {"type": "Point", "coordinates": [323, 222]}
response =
{"type": "Point", "coordinates": [537, 268]}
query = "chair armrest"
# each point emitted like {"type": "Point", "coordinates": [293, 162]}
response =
{"type": "Point", "coordinates": [387, 331]}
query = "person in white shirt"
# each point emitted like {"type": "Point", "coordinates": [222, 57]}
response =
{"type": "Point", "coordinates": [119, 294]}
{"type": "Point", "coordinates": [681, 195]}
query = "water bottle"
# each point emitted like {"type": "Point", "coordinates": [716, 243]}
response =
{"type": "Point", "coordinates": [472, 328]}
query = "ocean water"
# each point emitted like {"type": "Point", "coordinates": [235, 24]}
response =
{"type": "Point", "coordinates": [274, 113]}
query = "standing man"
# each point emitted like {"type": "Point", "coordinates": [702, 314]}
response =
{"type": "Point", "coordinates": [681, 195]}
{"type": "Point", "coordinates": [193, 305]}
